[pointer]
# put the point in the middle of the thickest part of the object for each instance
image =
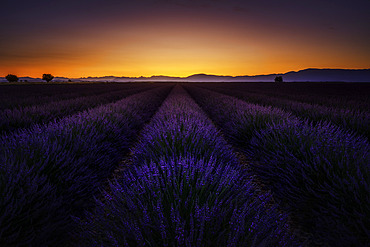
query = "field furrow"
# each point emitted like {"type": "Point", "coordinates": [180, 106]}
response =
{"type": "Point", "coordinates": [11, 120]}
{"type": "Point", "coordinates": [353, 96]}
{"type": "Point", "coordinates": [50, 172]}
{"type": "Point", "coordinates": [357, 121]}
{"type": "Point", "coordinates": [185, 187]}
{"type": "Point", "coordinates": [20, 96]}
{"type": "Point", "coordinates": [195, 164]}
{"type": "Point", "coordinates": [319, 172]}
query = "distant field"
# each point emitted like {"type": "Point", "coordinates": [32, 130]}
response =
{"type": "Point", "coordinates": [187, 164]}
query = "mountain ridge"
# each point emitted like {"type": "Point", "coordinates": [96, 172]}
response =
{"type": "Point", "coordinates": [305, 75]}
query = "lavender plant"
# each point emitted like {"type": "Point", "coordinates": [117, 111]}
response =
{"type": "Point", "coordinates": [239, 119]}
{"type": "Point", "coordinates": [13, 119]}
{"type": "Point", "coordinates": [187, 202]}
{"type": "Point", "coordinates": [181, 128]}
{"type": "Point", "coordinates": [21, 96]}
{"type": "Point", "coordinates": [320, 172]}
{"type": "Point", "coordinates": [66, 161]}
{"type": "Point", "coordinates": [353, 120]}
{"type": "Point", "coordinates": [185, 188]}
{"type": "Point", "coordinates": [353, 96]}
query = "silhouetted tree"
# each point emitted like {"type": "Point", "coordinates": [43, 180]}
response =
{"type": "Point", "coordinates": [11, 78]}
{"type": "Point", "coordinates": [69, 80]}
{"type": "Point", "coordinates": [47, 77]}
{"type": "Point", "coordinates": [278, 79]}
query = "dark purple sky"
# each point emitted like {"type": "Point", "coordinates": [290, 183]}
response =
{"type": "Point", "coordinates": [146, 37]}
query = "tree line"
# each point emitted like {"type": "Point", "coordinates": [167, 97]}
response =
{"type": "Point", "coordinates": [49, 77]}
{"type": "Point", "coordinates": [14, 78]}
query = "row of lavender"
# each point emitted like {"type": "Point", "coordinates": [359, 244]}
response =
{"type": "Point", "coordinates": [319, 172]}
{"type": "Point", "coordinates": [12, 119]}
{"type": "Point", "coordinates": [353, 120]}
{"type": "Point", "coordinates": [353, 96]}
{"type": "Point", "coordinates": [16, 96]}
{"type": "Point", "coordinates": [50, 172]}
{"type": "Point", "coordinates": [184, 188]}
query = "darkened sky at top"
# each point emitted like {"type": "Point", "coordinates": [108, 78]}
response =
{"type": "Point", "coordinates": [178, 37]}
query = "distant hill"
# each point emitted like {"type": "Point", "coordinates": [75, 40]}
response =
{"type": "Point", "coordinates": [346, 75]}
{"type": "Point", "coordinates": [313, 75]}
{"type": "Point", "coordinates": [309, 75]}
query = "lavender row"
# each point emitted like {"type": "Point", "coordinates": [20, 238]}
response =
{"type": "Point", "coordinates": [352, 96]}
{"type": "Point", "coordinates": [19, 96]}
{"type": "Point", "coordinates": [354, 120]}
{"type": "Point", "coordinates": [320, 173]}
{"type": "Point", "coordinates": [185, 188]}
{"type": "Point", "coordinates": [11, 120]}
{"type": "Point", "coordinates": [50, 172]}
{"type": "Point", "coordinates": [334, 101]}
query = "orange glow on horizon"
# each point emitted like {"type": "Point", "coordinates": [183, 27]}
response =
{"type": "Point", "coordinates": [156, 47]}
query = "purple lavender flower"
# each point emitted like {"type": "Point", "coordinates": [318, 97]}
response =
{"type": "Point", "coordinates": [187, 182]}
{"type": "Point", "coordinates": [50, 172]}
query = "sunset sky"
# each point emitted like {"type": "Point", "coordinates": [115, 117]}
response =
{"type": "Point", "coordinates": [74, 38]}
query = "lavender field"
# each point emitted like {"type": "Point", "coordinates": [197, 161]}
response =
{"type": "Point", "coordinates": [191, 164]}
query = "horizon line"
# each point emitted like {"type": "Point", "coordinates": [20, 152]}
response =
{"type": "Point", "coordinates": [184, 77]}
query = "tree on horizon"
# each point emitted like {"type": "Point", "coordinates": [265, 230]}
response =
{"type": "Point", "coordinates": [47, 77]}
{"type": "Point", "coordinates": [12, 78]}
{"type": "Point", "coordinates": [278, 79]}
